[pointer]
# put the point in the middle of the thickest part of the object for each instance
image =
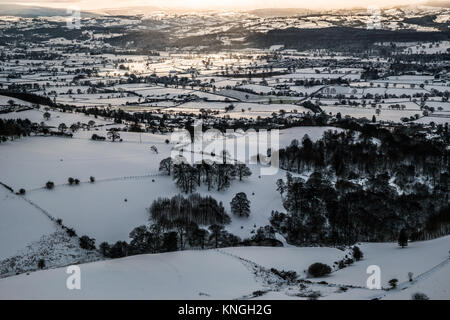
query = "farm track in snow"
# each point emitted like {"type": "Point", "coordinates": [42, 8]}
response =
{"type": "Point", "coordinates": [408, 284]}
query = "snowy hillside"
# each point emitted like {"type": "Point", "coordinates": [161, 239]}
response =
{"type": "Point", "coordinates": [199, 275]}
{"type": "Point", "coordinates": [20, 221]}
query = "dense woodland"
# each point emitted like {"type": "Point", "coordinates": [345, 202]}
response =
{"type": "Point", "coordinates": [364, 187]}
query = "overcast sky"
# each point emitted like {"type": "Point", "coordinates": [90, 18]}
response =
{"type": "Point", "coordinates": [205, 4]}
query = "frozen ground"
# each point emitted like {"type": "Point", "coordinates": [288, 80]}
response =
{"type": "Point", "coordinates": [368, 112]}
{"type": "Point", "coordinates": [200, 275]}
{"type": "Point", "coordinates": [56, 117]}
{"type": "Point", "coordinates": [21, 223]}
{"type": "Point", "coordinates": [29, 163]}
{"type": "Point", "coordinates": [289, 258]}
{"type": "Point", "coordinates": [4, 101]}
{"type": "Point", "coordinates": [394, 262]}
{"type": "Point", "coordinates": [179, 275]}
{"type": "Point", "coordinates": [435, 119]}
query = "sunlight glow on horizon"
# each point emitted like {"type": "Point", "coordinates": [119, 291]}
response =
{"type": "Point", "coordinates": [207, 4]}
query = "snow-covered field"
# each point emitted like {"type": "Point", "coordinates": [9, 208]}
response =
{"type": "Point", "coordinates": [40, 159]}
{"type": "Point", "coordinates": [127, 180]}
{"type": "Point", "coordinates": [200, 275]}
{"type": "Point", "coordinates": [179, 275]}
{"type": "Point", "coordinates": [368, 113]}
{"type": "Point", "coordinates": [21, 223]}
{"type": "Point", "coordinates": [394, 262]}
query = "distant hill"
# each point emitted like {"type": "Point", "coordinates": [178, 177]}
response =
{"type": "Point", "coordinates": [279, 12]}
{"type": "Point", "coordinates": [32, 11]}
{"type": "Point", "coordinates": [339, 37]}
{"type": "Point", "coordinates": [128, 11]}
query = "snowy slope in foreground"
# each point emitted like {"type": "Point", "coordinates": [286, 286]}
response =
{"type": "Point", "coordinates": [21, 223]}
{"type": "Point", "coordinates": [235, 273]}
{"type": "Point", "coordinates": [297, 259]}
{"type": "Point", "coordinates": [179, 275]}
{"type": "Point", "coordinates": [395, 262]}
{"type": "Point", "coordinates": [434, 283]}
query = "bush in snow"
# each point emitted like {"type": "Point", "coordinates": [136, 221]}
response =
{"type": "Point", "coordinates": [22, 191]}
{"type": "Point", "coordinates": [319, 270]}
{"type": "Point", "coordinates": [71, 232]}
{"type": "Point", "coordinates": [348, 261]}
{"type": "Point", "coordinates": [92, 179]}
{"type": "Point", "coordinates": [341, 264]}
{"type": "Point", "coordinates": [357, 253]}
{"type": "Point", "coordinates": [410, 276]}
{"type": "Point", "coordinates": [393, 283]}
{"type": "Point", "coordinates": [289, 276]}
{"type": "Point", "coordinates": [154, 149]}
{"type": "Point", "coordinates": [420, 296]}
{"type": "Point", "coordinates": [50, 185]}
{"type": "Point", "coordinates": [71, 180]}
{"type": "Point", "coordinates": [87, 243]}
{"type": "Point", "coordinates": [96, 137]}
{"type": "Point", "coordinates": [403, 238]}
{"type": "Point", "coordinates": [41, 263]}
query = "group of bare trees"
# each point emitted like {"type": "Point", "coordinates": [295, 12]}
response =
{"type": "Point", "coordinates": [213, 175]}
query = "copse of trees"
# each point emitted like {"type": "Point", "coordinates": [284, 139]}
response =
{"type": "Point", "coordinates": [158, 238]}
{"type": "Point", "coordinates": [214, 175]}
{"type": "Point", "coordinates": [15, 128]}
{"type": "Point", "coordinates": [195, 208]}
